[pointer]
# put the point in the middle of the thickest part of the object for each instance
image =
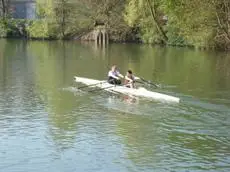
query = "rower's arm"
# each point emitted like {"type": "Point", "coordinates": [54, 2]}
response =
{"type": "Point", "coordinates": [127, 78]}
{"type": "Point", "coordinates": [120, 75]}
{"type": "Point", "coordinates": [136, 78]}
{"type": "Point", "coordinates": [115, 77]}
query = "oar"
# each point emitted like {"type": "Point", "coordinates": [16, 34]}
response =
{"type": "Point", "coordinates": [149, 82]}
{"type": "Point", "coordinates": [85, 86]}
{"type": "Point", "coordinates": [139, 82]}
{"type": "Point", "coordinates": [99, 89]}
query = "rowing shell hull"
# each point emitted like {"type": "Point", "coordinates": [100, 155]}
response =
{"type": "Point", "coordinates": [140, 92]}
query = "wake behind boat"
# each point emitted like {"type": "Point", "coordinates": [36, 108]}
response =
{"type": "Point", "coordinates": [139, 92]}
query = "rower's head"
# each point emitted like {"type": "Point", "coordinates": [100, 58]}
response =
{"type": "Point", "coordinates": [114, 68]}
{"type": "Point", "coordinates": [129, 72]}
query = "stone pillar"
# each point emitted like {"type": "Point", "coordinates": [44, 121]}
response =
{"type": "Point", "coordinates": [107, 38]}
{"type": "Point", "coordinates": [100, 38]}
{"type": "Point", "coordinates": [95, 36]}
{"type": "Point", "coordinates": [103, 37]}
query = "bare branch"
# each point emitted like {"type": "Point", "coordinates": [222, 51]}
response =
{"type": "Point", "coordinates": [153, 15]}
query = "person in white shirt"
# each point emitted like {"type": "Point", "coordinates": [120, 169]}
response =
{"type": "Point", "coordinates": [114, 76]}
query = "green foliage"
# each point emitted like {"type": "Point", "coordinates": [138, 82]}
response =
{"type": "Point", "coordinates": [17, 28]}
{"type": "Point", "coordinates": [45, 9]}
{"type": "Point", "coordinates": [45, 27]}
{"type": "Point", "coordinates": [41, 29]}
{"type": "Point", "coordinates": [147, 16]}
{"type": "Point", "coordinates": [198, 23]}
{"type": "Point", "coordinates": [65, 18]}
{"type": "Point", "coordinates": [3, 28]}
{"type": "Point", "coordinates": [108, 12]}
{"type": "Point", "coordinates": [174, 37]}
{"type": "Point", "coordinates": [192, 20]}
{"type": "Point", "coordinates": [13, 27]}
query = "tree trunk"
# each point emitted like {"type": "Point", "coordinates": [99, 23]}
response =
{"type": "Point", "coordinates": [155, 22]}
{"type": "Point", "coordinates": [63, 19]}
{"type": "Point", "coordinates": [3, 9]}
{"type": "Point", "coordinates": [223, 24]}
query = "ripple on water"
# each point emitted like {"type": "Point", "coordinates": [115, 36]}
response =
{"type": "Point", "coordinates": [110, 132]}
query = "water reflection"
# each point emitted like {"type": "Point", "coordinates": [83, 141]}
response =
{"type": "Point", "coordinates": [139, 132]}
{"type": "Point", "coordinates": [50, 78]}
{"type": "Point", "coordinates": [106, 132]}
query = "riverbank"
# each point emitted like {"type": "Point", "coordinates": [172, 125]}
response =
{"type": "Point", "coordinates": [49, 30]}
{"type": "Point", "coordinates": [200, 25]}
{"type": "Point", "coordinates": [44, 30]}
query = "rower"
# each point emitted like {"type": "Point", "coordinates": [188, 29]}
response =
{"type": "Point", "coordinates": [129, 79]}
{"type": "Point", "coordinates": [114, 76]}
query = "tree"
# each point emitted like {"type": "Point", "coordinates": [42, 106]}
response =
{"type": "Point", "coordinates": [57, 19]}
{"type": "Point", "coordinates": [202, 23]}
{"type": "Point", "coordinates": [108, 12]}
{"type": "Point", "coordinates": [63, 10]}
{"type": "Point", "coordinates": [148, 16]}
{"type": "Point", "coordinates": [4, 8]}
{"type": "Point", "coordinates": [222, 14]}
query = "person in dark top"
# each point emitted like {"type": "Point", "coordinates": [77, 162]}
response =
{"type": "Point", "coordinates": [129, 79]}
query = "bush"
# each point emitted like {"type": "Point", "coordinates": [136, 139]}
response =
{"type": "Point", "coordinates": [174, 38]}
{"type": "Point", "coordinates": [13, 28]}
{"type": "Point", "coordinates": [3, 28]}
{"type": "Point", "coordinates": [17, 27]}
{"type": "Point", "coordinates": [41, 29]}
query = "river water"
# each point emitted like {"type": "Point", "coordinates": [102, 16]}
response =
{"type": "Point", "coordinates": [47, 125]}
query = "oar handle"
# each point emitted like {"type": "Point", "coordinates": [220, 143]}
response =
{"type": "Point", "coordinates": [139, 82]}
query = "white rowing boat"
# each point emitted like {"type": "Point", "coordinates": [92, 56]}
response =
{"type": "Point", "coordinates": [139, 92]}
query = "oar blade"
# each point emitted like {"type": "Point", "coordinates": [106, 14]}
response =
{"type": "Point", "coordinates": [147, 82]}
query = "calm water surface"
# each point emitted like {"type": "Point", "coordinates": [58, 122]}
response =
{"type": "Point", "coordinates": [47, 125]}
